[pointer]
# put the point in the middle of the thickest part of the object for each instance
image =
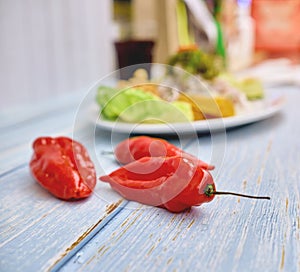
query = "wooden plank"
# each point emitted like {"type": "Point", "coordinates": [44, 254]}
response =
{"type": "Point", "coordinates": [39, 122]}
{"type": "Point", "coordinates": [41, 232]}
{"type": "Point", "coordinates": [37, 230]}
{"type": "Point", "coordinates": [228, 234]}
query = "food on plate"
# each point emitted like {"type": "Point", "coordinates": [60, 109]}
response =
{"type": "Point", "coordinates": [63, 167]}
{"type": "Point", "coordinates": [209, 78]}
{"type": "Point", "coordinates": [139, 80]}
{"type": "Point", "coordinates": [114, 101]}
{"type": "Point", "coordinates": [175, 183]}
{"type": "Point", "coordinates": [134, 148]}
{"type": "Point", "coordinates": [201, 91]}
{"type": "Point", "coordinates": [251, 87]}
{"type": "Point", "coordinates": [205, 107]}
{"type": "Point", "coordinates": [134, 105]}
{"type": "Point", "coordinates": [197, 62]}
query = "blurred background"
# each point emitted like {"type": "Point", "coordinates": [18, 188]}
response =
{"type": "Point", "coordinates": [52, 47]}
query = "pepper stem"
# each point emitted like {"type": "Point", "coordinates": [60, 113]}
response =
{"type": "Point", "coordinates": [209, 191]}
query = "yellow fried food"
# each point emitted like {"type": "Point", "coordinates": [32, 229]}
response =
{"type": "Point", "coordinates": [209, 107]}
{"type": "Point", "coordinates": [198, 115]}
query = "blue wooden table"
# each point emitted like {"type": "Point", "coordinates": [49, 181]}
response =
{"type": "Point", "coordinates": [108, 233]}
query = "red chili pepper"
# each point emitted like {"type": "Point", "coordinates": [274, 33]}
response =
{"type": "Point", "coordinates": [138, 147]}
{"type": "Point", "coordinates": [174, 183]}
{"type": "Point", "coordinates": [63, 167]}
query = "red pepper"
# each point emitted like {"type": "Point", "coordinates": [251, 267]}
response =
{"type": "Point", "coordinates": [63, 167]}
{"type": "Point", "coordinates": [138, 147]}
{"type": "Point", "coordinates": [174, 183]}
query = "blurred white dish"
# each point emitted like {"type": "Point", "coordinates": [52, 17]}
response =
{"type": "Point", "coordinates": [271, 105]}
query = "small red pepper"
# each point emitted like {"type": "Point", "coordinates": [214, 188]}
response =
{"type": "Point", "coordinates": [138, 147]}
{"type": "Point", "coordinates": [63, 167]}
{"type": "Point", "coordinates": [175, 183]}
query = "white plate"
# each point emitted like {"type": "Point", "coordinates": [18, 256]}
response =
{"type": "Point", "coordinates": [270, 107]}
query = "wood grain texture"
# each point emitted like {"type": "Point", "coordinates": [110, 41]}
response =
{"type": "Point", "coordinates": [39, 232]}
{"type": "Point", "coordinates": [228, 234]}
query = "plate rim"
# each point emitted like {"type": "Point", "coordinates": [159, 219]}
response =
{"type": "Point", "coordinates": [208, 125]}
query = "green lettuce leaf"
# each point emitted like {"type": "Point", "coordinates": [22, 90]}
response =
{"type": "Point", "coordinates": [135, 106]}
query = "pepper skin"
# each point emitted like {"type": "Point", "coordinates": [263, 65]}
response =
{"type": "Point", "coordinates": [63, 167]}
{"type": "Point", "coordinates": [138, 147]}
{"type": "Point", "coordinates": [174, 183]}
